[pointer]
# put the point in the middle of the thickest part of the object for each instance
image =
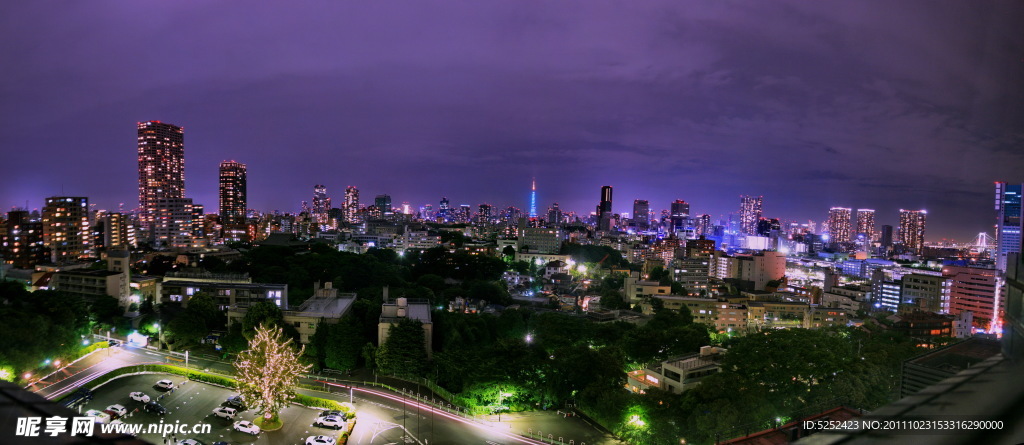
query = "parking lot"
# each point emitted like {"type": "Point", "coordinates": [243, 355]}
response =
{"type": "Point", "coordinates": [193, 403]}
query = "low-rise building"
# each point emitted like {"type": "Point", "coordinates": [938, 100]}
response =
{"type": "Point", "coordinates": [404, 308]}
{"type": "Point", "coordinates": [677, 374]}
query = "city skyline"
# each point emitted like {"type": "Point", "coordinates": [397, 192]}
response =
{"type": "Point", "coordinates": [663, 102]}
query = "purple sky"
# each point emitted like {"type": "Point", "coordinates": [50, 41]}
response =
{"type": "Point", "coordinates": [913, 104]}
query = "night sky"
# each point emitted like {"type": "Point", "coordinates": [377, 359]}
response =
{"type": "Point", "coordinates": [811, 104]}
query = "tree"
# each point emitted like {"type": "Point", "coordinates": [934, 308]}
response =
{"type": "Point", "coordinates": [404, 352]}
{"type": "Point", "coordinates": [268, 371]}
{"type": "Point", "coordinates": [344, 344]}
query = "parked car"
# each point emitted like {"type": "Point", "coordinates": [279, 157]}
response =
{"type": "Point", "coordinates": [236, 402]}
{"type": "Point", "coordinates": [189, 442]}
{"type": "Point", "coordinates": [164, 385]}
{"type": "Point", "coordinates": [332, 413]}
{"type": "Point", "coordinates": [113, 343]}
{"type": "Point", "coordinates": [335, 422]}
{"type": "Point", "coordinates": [118, 410]}
{"type": "Point", "coordinates": [246, 426]}
{"type": "Point", "coordinates": [99, 416]}
{"type": "Point", "coordinates": [320, 440]}
{"type": "Point", "coordinates": [225, 412]}
{"type": "Point", "coordinates": [139, 397]}
{"type": "Point", "coordinates": [155, 408]}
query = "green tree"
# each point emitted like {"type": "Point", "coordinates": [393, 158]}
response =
{"type": "Point", "coordinates": [344, 345]}
{"type": "Point", "coordinates": [404, 351]}
{"type": "Point", "coordinates": [268, 371]}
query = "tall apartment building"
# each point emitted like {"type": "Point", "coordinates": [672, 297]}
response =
{"type": "Point", "coordinates": [22, 244]}
{"type": "Point", "coordinates": [66, 228]}
{"type": "Point", "coordinates": [177, 223]}
{"type": "Point", "coordinates": [321, 204]}
{"type": "Point", "coordinates": [161, 149]}
{"type": "Point", "coordinates": [912, 224]}
{"type": "Point", "coordinates": [866, 224]}
{"type": "Point", "coordinates": [839, 225]}
{"type": "Point", "coordinates": [974, 289]}
{"type": "Point", "coordinates": [351, 206]}
{"type": "Point", "coordinates": [750, 213]}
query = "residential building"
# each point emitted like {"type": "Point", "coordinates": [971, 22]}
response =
{"type": "Point", "coordinates": [228, 291]}
{"type": "Point", "coordinates": [161, 167]}
{"type": "Point", "coordinates": [912, 228]}
{"type": "Point", "coordinates": [677, 374]}
{"type": "Point", "coordinates": [839, 225]}
{"type": "Point", "coordinates": [866, 224]}
{"type": "Point", "coordinates": [22, 245]}
{"type": "Point", "coordinates": [750, 213]}
{"type": "Point", "coordinates": [545, 240]}
{"type": "Point", "coordinates": [974, 289]}
{"type": "Point", "coordinates": [403, 308]}
{"type": "Point", "coordinates": [927, 293]}
{"type": "Point", "coordinates": [177, 223]}
{"type": "Point", "coordinates": [351, 208]}
{"type": "Point", "coordinates": [66, 229]}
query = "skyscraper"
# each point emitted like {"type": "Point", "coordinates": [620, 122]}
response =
{"type": "Point", "coordinates": [641, 214]}
{"type": "Point", "coordinates": [321, 204]}
{"type": "Point", "coordinates": [912, 224]}
{"type": "Point", "coordinates": [351, 204]}
{"type": "Point", "coordinates": [604, 209]}
{"type": "Point", "coordinates": [484, 212]}
{"type": "Point", "coordinates": [704, 227]}
{"type": "Point", "coordinates": [885, 236]}
{"type": "Point", "coordinates": [66, 227]}
{"type": "Point", "coordinates": [22, 244]}
{"type": "Point", "coordinates": [1008, 221]}
{"type": "Point", "coordinates": [866, 224]}
{"type": "Point", "coordinates": [444, 209]}
{"type": "Point", "coordinates": [232, 193]}
{"type": "Point", "coordinates": [383, 204]}
{"type": "Point", "coordinates": [554, 216]}
{"type": "Point", "coordinates": [750, 213]}
{"type": "Point", "coordinates": [839, 225]}
{"type": "Point", "coordinates": [161, 167]}
{"type": "Point", "coordinates": [678, 214]}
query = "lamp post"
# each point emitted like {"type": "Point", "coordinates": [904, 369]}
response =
{"type": "Point", "coordinates": [501, 402]}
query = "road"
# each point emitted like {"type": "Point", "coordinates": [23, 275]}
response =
{"type": "Point", "coordinates": [385, 416]}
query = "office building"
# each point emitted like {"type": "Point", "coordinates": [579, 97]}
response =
{"type": "Point", "coordinates": [927, 293]}
{"type": "Point", "coordinates": [839, 225]}
{"type": "Point", "coordinates": [750, 213]}
{"type": "Point", "coordinates": [866, 224]}
{"type": "Point", "coordinates": [974, 289]}
{"type": "Point", "coordinates": [351, 206]}
{"type": "Point", "coordinates": [703, 225]}
{"type": "Point", "coordinates": [912, 224]}
{"type": "Point", "coordinates": [885, 236]}
{"type": "Point", "coordinates": [321, 205]}
{"type": "Point", "coordinates": [1008, 222]}
{"type": "Point", "coordinates": [543, 240]}
{"type": "Point", "coordinates": [679, 214]}
{"type": "Point", "coordinates": [161, 167]}
{"type": "Point", "coordinates": [641, 214]}
{"type": "Point", "coordinates": [484, 213]}
{"type": "Point", "coordinates": [383, 204]}
{"type": "Point", "coordinates": [554, 215]}
{"type": "Point", "coordinates": [66, 229]}
{"type": "Point", "coordinates": [604, 209]}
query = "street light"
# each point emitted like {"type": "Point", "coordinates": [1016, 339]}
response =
{"type": "Point", "coordinates": [501, 402]}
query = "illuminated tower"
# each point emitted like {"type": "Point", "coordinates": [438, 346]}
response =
{"type": "Point", "coordinates": [912, 224]}
{"type": "Point", "coordinates": [1008, 221]}
{"type": "Point", "coordinates": [161, 167]}
{"type": "Point", "coordinates": [533, 199]}
{"type": "Point", "coordinates": [351, 208]}
{"type": "Point", "coordinates": [839, 225]}
{"type": "Point", "coordinates": [321, 204]}
{"type": "Point", "coordinates": [750, 213]}
{"type": "Point", "coordinates": [866, 223]}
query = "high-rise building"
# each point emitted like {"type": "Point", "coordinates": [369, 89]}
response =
{"type": "Point", "coordinates": [161, 167]}
{"type": "Point", "coordinates": [66, 227]}
{"type": "Point", "coordinates": [912, 223]}
{"type": "Point", "coordinates": [604, 209]}
{"type": "Point", "coordinates": [444, 209]}
{"type": "Point", "coordinates": [974, 289]}
{"type": "Point", "coordinates": [866, 224]}
{"type": "Point", "coordinates": [839, 225]}
{"type": "Point", "coordinates": [383, 204]}
{"type": "Point", "coordinates": [233, 200]}
{"type": "Point", "coordinates": [484, 212]}
{"type": "Point", "coordinates": [1008, 222]}
{"type": "Point", "coordinates": [703, 225]}
{"type": "Point", "coordinates": [641, 214]}
{"type": "Point", "coordinates": [321, 205]}
{"type": "Point", "coordinates": [118, 230]}
{"type": "Point", "coordinates": [177, 223]}
{"type": "Point", "coordinates": [679, 213]}
{"type": "Point", "coordinates": [750, 213]}
{"type": "Point", "coordinates": [22, 245]}
{"type": "Point", "coordinates": [351, 204]}
{"type": "Point", "coordinates": [554, 216]}
{"type": "Point", "coordinates": [885, 236]}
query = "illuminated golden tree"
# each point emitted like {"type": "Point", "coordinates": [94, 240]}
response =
{"type": "Point", "coordinates": [268, 371]}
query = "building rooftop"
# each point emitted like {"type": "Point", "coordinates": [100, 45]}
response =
{"type": "Point", "coordinates": [324, 306]}
{"type": "Point", "coordinates": [959, 356]}
{"type": "Point", "coordinates": [415, 309]}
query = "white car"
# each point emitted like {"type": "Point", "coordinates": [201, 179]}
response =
{"type": "Point", "coordinates": [329, 422]}
{"type": "Point", "coordinates": [118, 410]}
{"type": "Point", "coordinates": [101, 417]}
{"type": "Point", "coordinates": [189, 442]}
{"type": "Point", "coordinates": [139, 397]}
{"type": "Point", "coordinates": [320, 440]}
{"type": "Point", "coordinates": [246, 426]}
{"type": "Point", "coordinates": [164, 385]}
{"type": "Point", "coordinates": [225, 412]}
